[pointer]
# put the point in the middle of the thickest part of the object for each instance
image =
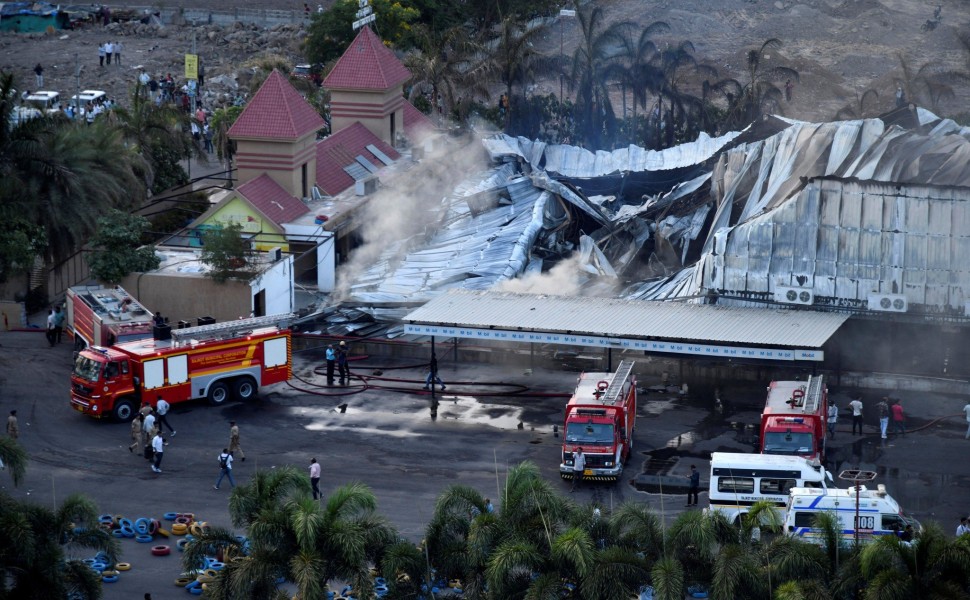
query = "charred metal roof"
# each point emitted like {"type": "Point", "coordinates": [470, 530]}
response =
{"type": "Point", "coordinates": [613, 317]}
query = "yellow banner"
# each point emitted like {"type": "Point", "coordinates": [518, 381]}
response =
{"type": "Point", "coordinates": [191, 66]}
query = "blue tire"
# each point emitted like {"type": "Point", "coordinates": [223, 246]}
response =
{"type": "Point", "coordinates": [216, 565]}
{"type": "Point", "coordinates": [196, 591]}
{"type": "Point", "coordinates": [171, 516]}
{"type": "Point", "coordinates": [194, 584]}
{"type": "Point", "coordinates": [109, 578]}
{"type": "Point", "coordinates": [125, 523]}
{"type": "Point", "coordinates": [141, 526]}
{"type": "Point", "coordinates": [144, 539]}
{"type": "Point", "coordinates": [99, 566]}
{"type": "Point", "coordinates": [128, 532]}
{"type": "Point", "coordinates": [118, 533]}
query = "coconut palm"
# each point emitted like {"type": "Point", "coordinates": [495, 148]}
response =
{"type": "Point", "coordinates": [931, 567]}
{"type": "Point", "coordinates": [14, 458]}
{"type": "Point", "coordinates": [33, 544]}
{"type": "Point", "coordinates": [929, 85]}
{"type": "Point", "coordinates": [758, 94]}
{"type": "Point", "coordinates": [864, 106]}
{"type": "Point", "coordinates": [513, 58]}
{"type": "Point", "coordinates": [448, 64]}
{"type": "Point", "coordinates": [640, 74]}
{"type": "Point", "coordinates": [674, 66]}
{"type": "Point", "coordinates": [600, 46]}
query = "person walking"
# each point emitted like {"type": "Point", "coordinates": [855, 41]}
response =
{"type": "Point", "coordinates": [13, 430]}
{"type": "Point", "coordinates": [966, 411]}
{"type": "Point", "coordinates": [108, 51]}
{"type": "Point", "coordinates": [833, 418]}
{"type": "Point", "coordinates": [315, 478]}
{"type": "Point", "coordinates": [225, 468]}
{"type": "Point", "coordinates": [39, 74]}
{"type": "Point", "coordinates": [117, 51]}
{"type": "Point", "coordinates": [579, 466]}
{"type": "Point", "coordinates": [161, 409]}
{"type": "Point", "coordinates": [148, 431]}
{"type": "Point", "coordinates": [101, 55]}
{"type": "Point", "coordinates": [694, 486]}
{"type": "Point", "coordinates": [136, 432]}
{"type": "Point", "coordinates": [883, 407]}
{"type": "Point", "coordinates": [158, 447]}
{"type": "Point", "coordinates": [332, 363]}
{"type": "Point", "coordinates": [899, 420]}
{"type": "Point", "coordinates": [59, 317]}
{"type": "Point", "coordinates": [432, 377]}
{"type": "Point", "coordinates": [856, 406]}
{"type": "Point", "coordinates": [51, 334]}
{"type": "Point", "coordinates": [342, 369]}
{"type": "Point", "coordinates": [234, 446]}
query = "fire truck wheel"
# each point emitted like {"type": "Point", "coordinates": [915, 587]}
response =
{"type": "Point", "coordinates": [244, 388]}
{"type": "Point", "coordinates": [124, 410]}
{"type": "Point", "coordinates": [218, 393]}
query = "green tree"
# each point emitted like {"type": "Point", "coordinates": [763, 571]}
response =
{"type": "Point", "coordinates": [601, 46]}
{"type": "Point", "coordinates": [932, 567]}
{"type": "Point", "coordinates": [448, 63]}
{"type": "Point", "coordinates": [331, 31]}
{"type": "Point", "coordinates": [14, 457]}
{"type": "Point", "coordinates": [222, 119]}
{"type": "Point", "coordinates": [514, 58]}
{"type": "Point", "coordinates": [116, 248]}
{"type": "Point", "coordinates": [33, 544]}
{"type": "Point", "coordinates": [227, 253]}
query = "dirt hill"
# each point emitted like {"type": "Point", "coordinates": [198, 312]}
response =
{"type": "Point", "coordinates": [840, 47]}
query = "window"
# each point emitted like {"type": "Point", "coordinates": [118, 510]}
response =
{"type": "Point", "coordinates": [888, 520]}
{"type": "Point", "coordinates": [735, 485]}
{"type": "Point", "coordinates": [178, 369]}
{"type": "Point", "coordinates": [777, 442]}
{"type": "Point", "coordinates": [777, 486]}
{"type": "Point", "coordinates": [111, 371]}
{"type": "Point", "coordinates": [124, 367]}
{"type": "Point", "coordinates": [303, 176]}
{"type": "Point", "coordinates": [804, 519]}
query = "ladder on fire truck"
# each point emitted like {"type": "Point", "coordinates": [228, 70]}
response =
{"type": "Point", "coordinates": [229, 329]}
{"type": "Point", "coordinates": [615, 391]}
{"type": "Point", "coordinates": [812, 395]}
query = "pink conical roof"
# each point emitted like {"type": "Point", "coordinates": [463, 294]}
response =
{"type": "Point", "coordinates": [367, 65]}
{"type": "Point", "coordinates": [276, 111]}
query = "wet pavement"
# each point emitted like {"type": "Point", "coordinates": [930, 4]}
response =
{"type": "Point", "coordinates": [408, 447]}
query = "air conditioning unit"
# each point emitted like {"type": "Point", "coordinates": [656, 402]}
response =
{"type": "Point", "coordinates": [888, 302]}
{"type": "Point", "coordinates": [794, 295]}
{"type": "Point", "coordinates": [366, 187]}
{"type": "Point", "coordinates": [275, 254]}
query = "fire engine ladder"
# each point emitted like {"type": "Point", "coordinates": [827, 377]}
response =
{"type": "Point", "coordinates": [619, 378]}
{"type": "Point", "coordinates": [228, 329]}
{"type": "Point", "coordinates": [813, 395]}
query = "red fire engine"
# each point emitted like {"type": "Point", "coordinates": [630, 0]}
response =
{"type": "Point", "coordinates": [217, 361]}
{"type": "Point", "coordinates": [793, 421]}
{"type": "Point", "coordinates": [600, 419]}
{"type": "Point", "coordinates": [100, 316]}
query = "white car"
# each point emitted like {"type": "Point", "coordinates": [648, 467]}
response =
{"type": "Point", "coordinates": [44, 101]}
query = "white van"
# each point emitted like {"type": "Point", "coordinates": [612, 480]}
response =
{"type": "Point", "coordinates": [740, 480]}
{"type": "Point", "coordinates": [879, 513]}
{"type": "Point", "coordinates": [46, 102]}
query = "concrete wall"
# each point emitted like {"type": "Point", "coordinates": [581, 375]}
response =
{"type": "Point", "coordinates": [283, 161]}
{"type": "Point", "coordinates": [190, 296]}
{"type": "Point", "coordinates": [372, 109]}
{"type": "Point", "coordinates": [254, 16]}
{"type": "Point", "coordinates": [277, 282]}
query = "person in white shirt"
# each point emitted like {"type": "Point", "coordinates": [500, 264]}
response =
{"type": "Point", "coordinates": [149, 426]}
{"type": "Point", "coordinates": [143, 79]}
{"type": "Point", "coordinates": [158, 446]}
{"type": "Point", "coordinates": [856, 406]}
{"type": "Point", "coordinates": [161, 409]}
{"type": "Point", "coordinates": [579, 465]}
{"type": "Point", "coordinates": [108, 50]}
{"type": "Point", "coordinates": [225, 468]}
{"type": "Point", "coordinates": [833, 418]}
{"type": "Point", "coordinates": [963, 527]}
{"type": "Point", "coordinates": [315, 477]}
{"type": "Point", "coordinates": [966, 411]}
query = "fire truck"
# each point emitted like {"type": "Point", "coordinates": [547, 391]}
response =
{"type": "Point", "coordinates": [794, 418]}
{"type": "Point", "coordinates": [600, 419]}
{"type": "Point", "coordinates": [100, 316]}
{"type": "Point", "coordinates": [218, 361]}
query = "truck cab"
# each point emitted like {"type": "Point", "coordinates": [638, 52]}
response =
{"type": "Point", "coordinates": [794, 419]}
{"type": "Point", "coordinates": [99, 377]}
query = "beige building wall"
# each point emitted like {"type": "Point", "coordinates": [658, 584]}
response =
{"type": "Point", "coordinates": [283, 161]}
{"type": "Point", "coordinates": [184, 297]}
{"type": "Point", "coordinates": [375, 116]}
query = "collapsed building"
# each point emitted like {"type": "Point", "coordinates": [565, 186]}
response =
{"type": "Point", "coordinates": [867, 218]}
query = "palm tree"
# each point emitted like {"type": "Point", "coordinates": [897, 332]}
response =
{"type": "Point", "coordinates": [674, 65]}
{"type": "Point", "coordinates": [449, 63]}
{"type": "Point", "coordinates": [641, 74]}
{"type": "Point", "coordinates": [933, 566]}
{"type": "Point", "coordinates": [33, 540]}
{"type": "Point", "coordinates": [759, 94]}
{"type": "Point", "coordinates": [514, 58]}
{"type": "Point", "coordinates": [928, 85]}
{"type": "Point", "coordinates": [862, 108]}
{"type": "Point", "coordinates": [600, 46]}
{"type": "Point", "coordinates": [14, 458]}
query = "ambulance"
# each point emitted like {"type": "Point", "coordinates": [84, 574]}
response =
{"type": "Point", "coordinates": [739, 480]}
{"type": "Point", "coordinates": [877, 513]}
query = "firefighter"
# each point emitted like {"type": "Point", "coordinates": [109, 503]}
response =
{"type": "Point", "coordinates": [234, 446]}
{"type": "Point", "coordinates": [342, 368]}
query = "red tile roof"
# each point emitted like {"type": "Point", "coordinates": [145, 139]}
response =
{"type": "Point", "coordinates": [276, 112]}
{"type": "Point", "coordinates": [342, 149]}
{"type": "Point", "coordinates": [416, 124]}
{"type": "Point", "coordinates": [269, 198]}
{"type": "Point", "coordinates": [367, 64]}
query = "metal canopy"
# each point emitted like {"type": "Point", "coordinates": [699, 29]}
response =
{"type": "Point", "coordinates": [675, 327]}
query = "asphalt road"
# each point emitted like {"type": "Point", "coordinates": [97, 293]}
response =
{"type": "Point", "coordinates": [389, 441]}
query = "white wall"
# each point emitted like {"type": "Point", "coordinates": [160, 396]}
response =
{"type": "Point", "coordinates": [277, 280]}
{"type": "Point", "coordinates": [326, 255]}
